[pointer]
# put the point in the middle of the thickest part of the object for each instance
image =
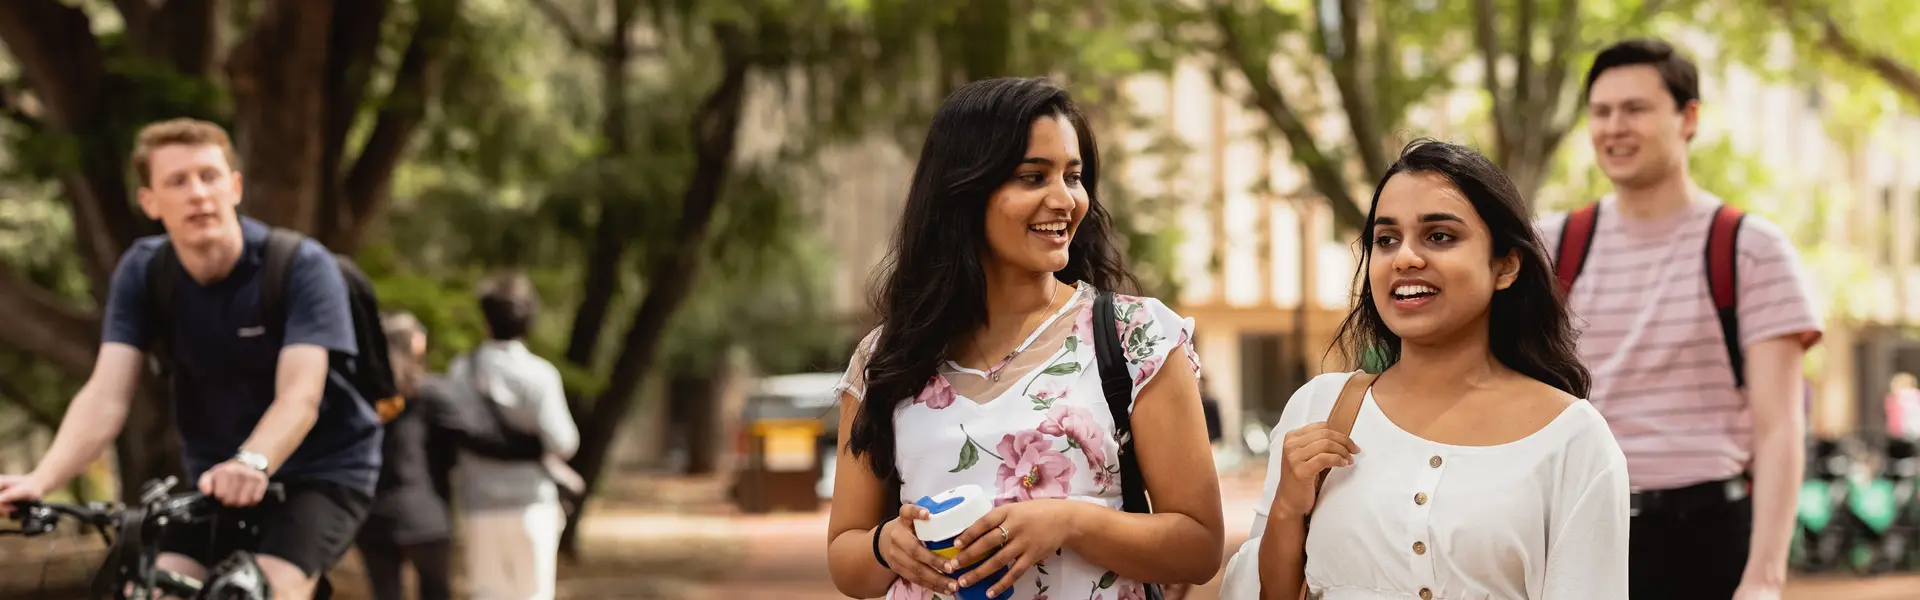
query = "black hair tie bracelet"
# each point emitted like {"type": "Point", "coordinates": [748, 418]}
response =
{"type": "Point", "coordinates": [876, 545]}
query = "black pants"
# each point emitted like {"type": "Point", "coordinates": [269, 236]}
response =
{"type": "Point", "coordinates": [312, 529]}
{"type": "Point", "coordinates": [1696, 554]}
{"type": "Point", "coordinates": [432, 564]}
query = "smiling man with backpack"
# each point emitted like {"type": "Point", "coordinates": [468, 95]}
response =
{"type": "Point", "coordinates": [262, 335]}
{"type": "Point", "coordinates": [1695, 319]}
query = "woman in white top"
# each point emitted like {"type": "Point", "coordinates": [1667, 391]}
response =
{"type": "Point", "coordinates": [1474, 469]}
{"type": "Point", "coordinates": [983, 373]}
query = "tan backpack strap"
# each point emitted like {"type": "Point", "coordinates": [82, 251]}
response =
{"type": "Point", "coordinates": [1346, 410]}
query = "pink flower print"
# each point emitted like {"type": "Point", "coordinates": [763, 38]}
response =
{"type": "Point", "coordinates": [904, 590]}
{"type": "Point", "coordinates": [937, 395]}
{"type": "Point", "coordinates": [1132, 591]}
{"type": "Point", "coordinates": [1047, 396]}
{"type": "Point", "coordinates": [1147, 369]}
{"type": "Point", "coordinates": [1077, 424]}
{"type": "Point", "coordinates": [1030, 468]}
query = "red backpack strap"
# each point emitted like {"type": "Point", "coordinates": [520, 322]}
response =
{"type": "Point", "coordinates": [1576, 238]}
{"type": "Point", "coordinates": [1723, 282]}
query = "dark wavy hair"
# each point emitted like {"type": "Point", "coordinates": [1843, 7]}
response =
{"type": "Point", "coordinates": [1531, 329]}
{"type": "Point", "coordinates": [933, 288]}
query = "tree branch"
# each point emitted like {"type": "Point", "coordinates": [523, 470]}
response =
{"type": "Point", "coordinates": [1356, 97]}
{"type": "Point", "coordinates": [278, 75]}
{"type": "Point", "coordinates": [45, 324]}
{"type": "Point", "coordinates": [1901, 76]}
{"type": "Point", "coordinates": [1486, 36]}
{"type": "Point", "coordinates": [1524, 83]}
{"type": "Point", "coordinates": [54, 45]}
{"type": "Point", "coordinates": [1325, 170]}
{"type": "Point", "coordinates": [369, 182]}
{"type": "Point", "coordinates": [184, 34]}
{"type": "Point", "coordinates": [572, 33]}
{"type": "Point", "coordinates": [136, 13]}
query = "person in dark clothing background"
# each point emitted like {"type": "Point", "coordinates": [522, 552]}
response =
{"type": "Point", "coordinates": [410, 521]}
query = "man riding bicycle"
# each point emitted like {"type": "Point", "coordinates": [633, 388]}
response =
{"type": "Point", "coordinates": [255, 401]}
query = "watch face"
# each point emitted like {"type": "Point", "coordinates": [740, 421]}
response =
{"type": "Point", "coordinates": [254, 461]}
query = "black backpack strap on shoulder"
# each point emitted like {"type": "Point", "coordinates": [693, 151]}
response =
{"type": "Point", "coordinates": [163, 270]}
{"type": "Point", "coordinates": [1117, 384]}
{"type": "Point", "coordinates": [1723, 282]}
{"type": "Point", "coordinates": [282, 246]}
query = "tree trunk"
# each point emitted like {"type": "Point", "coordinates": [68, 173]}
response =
{"type": "Point", "coordinates": [612, 234]}
{"type": "Point", "coordinates": [696, 402]}
{"type": "Point", "coordinates": [278, 73]}
{"type": "Point", "coordinates": [715, 124]}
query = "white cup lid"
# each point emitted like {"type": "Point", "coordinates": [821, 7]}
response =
{"type": "Point", "coordinates": [953, 511]}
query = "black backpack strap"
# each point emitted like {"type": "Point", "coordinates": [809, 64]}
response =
{"type": "Point", "coordinates": [1723, 281]}
{"type": "Point", "coordinates": [1117, 383]}
{"type": "Point", "coordinates": [162, 272]}
{"type": "Point", "coordinates": [282, 246]}
{"type": "Point", "coordinates": [501, 441]}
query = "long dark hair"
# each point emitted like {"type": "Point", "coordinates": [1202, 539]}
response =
{"type": "Point", "coordinates": [933, 288]}
{"type": "Point", "coordinates": [1530, 328]}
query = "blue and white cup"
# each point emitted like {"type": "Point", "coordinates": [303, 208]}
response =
{"type": "Point", "coordinates": [953, 511]}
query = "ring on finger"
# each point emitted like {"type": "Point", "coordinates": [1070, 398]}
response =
{"type": "Point", "coordinates": [1004, 538]}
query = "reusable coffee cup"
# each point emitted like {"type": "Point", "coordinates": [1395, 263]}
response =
{"type": "Point", "coordinates": [953, 511]}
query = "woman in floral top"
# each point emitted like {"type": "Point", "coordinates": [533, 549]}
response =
{"type": "Point", "coordinates": [982, 372]}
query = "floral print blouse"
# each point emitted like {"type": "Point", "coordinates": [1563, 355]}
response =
{"type": "Point", "coordinates": [1035, 427]}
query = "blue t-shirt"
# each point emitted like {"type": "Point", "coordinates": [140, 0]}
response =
{"type": "Point", "coordinates": [224, 363]}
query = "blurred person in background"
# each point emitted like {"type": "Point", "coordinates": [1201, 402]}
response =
{"type": "Point", "coordinates": [1704, 398]}
{"type": "Point", "coordinates": [410, 522]}
{"type": "Point", "coordinates": [1472, 468]}
{"type": "Point", "coordinates": [983, 372]}
{"type": "Point", "coordinates": [511, 509]}
{"type": "Point", "coordinates": [1903, 407]}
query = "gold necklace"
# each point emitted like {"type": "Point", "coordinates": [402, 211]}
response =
{"type": "Point", "coordinates": [993, 371]}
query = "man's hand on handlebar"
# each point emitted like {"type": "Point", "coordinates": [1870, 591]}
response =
{"type": "Point", "coordinates": [15, 489]}
{"type": "Point", "coordinates": [234, 484]}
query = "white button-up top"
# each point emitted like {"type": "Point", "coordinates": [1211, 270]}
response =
{"type": "Point", "coordinates": [1545, 516]}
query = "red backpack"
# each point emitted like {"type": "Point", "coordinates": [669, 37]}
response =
{"type": "Point", "coordinates": [1576, 238]}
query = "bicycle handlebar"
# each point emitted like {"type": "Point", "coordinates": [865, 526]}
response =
{"type": "Point", "coordinates": [39, 518]}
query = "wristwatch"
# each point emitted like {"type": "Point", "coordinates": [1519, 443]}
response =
{"type": "Point", "coordinates": [252, 460]}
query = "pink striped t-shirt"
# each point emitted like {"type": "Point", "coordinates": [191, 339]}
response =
{"type": "Point", "coordinates": [1651, 337]}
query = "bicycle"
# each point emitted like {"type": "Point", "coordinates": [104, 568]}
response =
{"type": "Point", "coordinates": [133, 546]}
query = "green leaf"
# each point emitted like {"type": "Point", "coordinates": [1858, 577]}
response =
{"type": "Point", "coordinates": [1073, 343]}
{"type": "Point", "coordinates": [969, 456]}
{"type": "Point", "coordinates": [1066, 368]}
{"type": "Point", "coordinates": [1106, 581]}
